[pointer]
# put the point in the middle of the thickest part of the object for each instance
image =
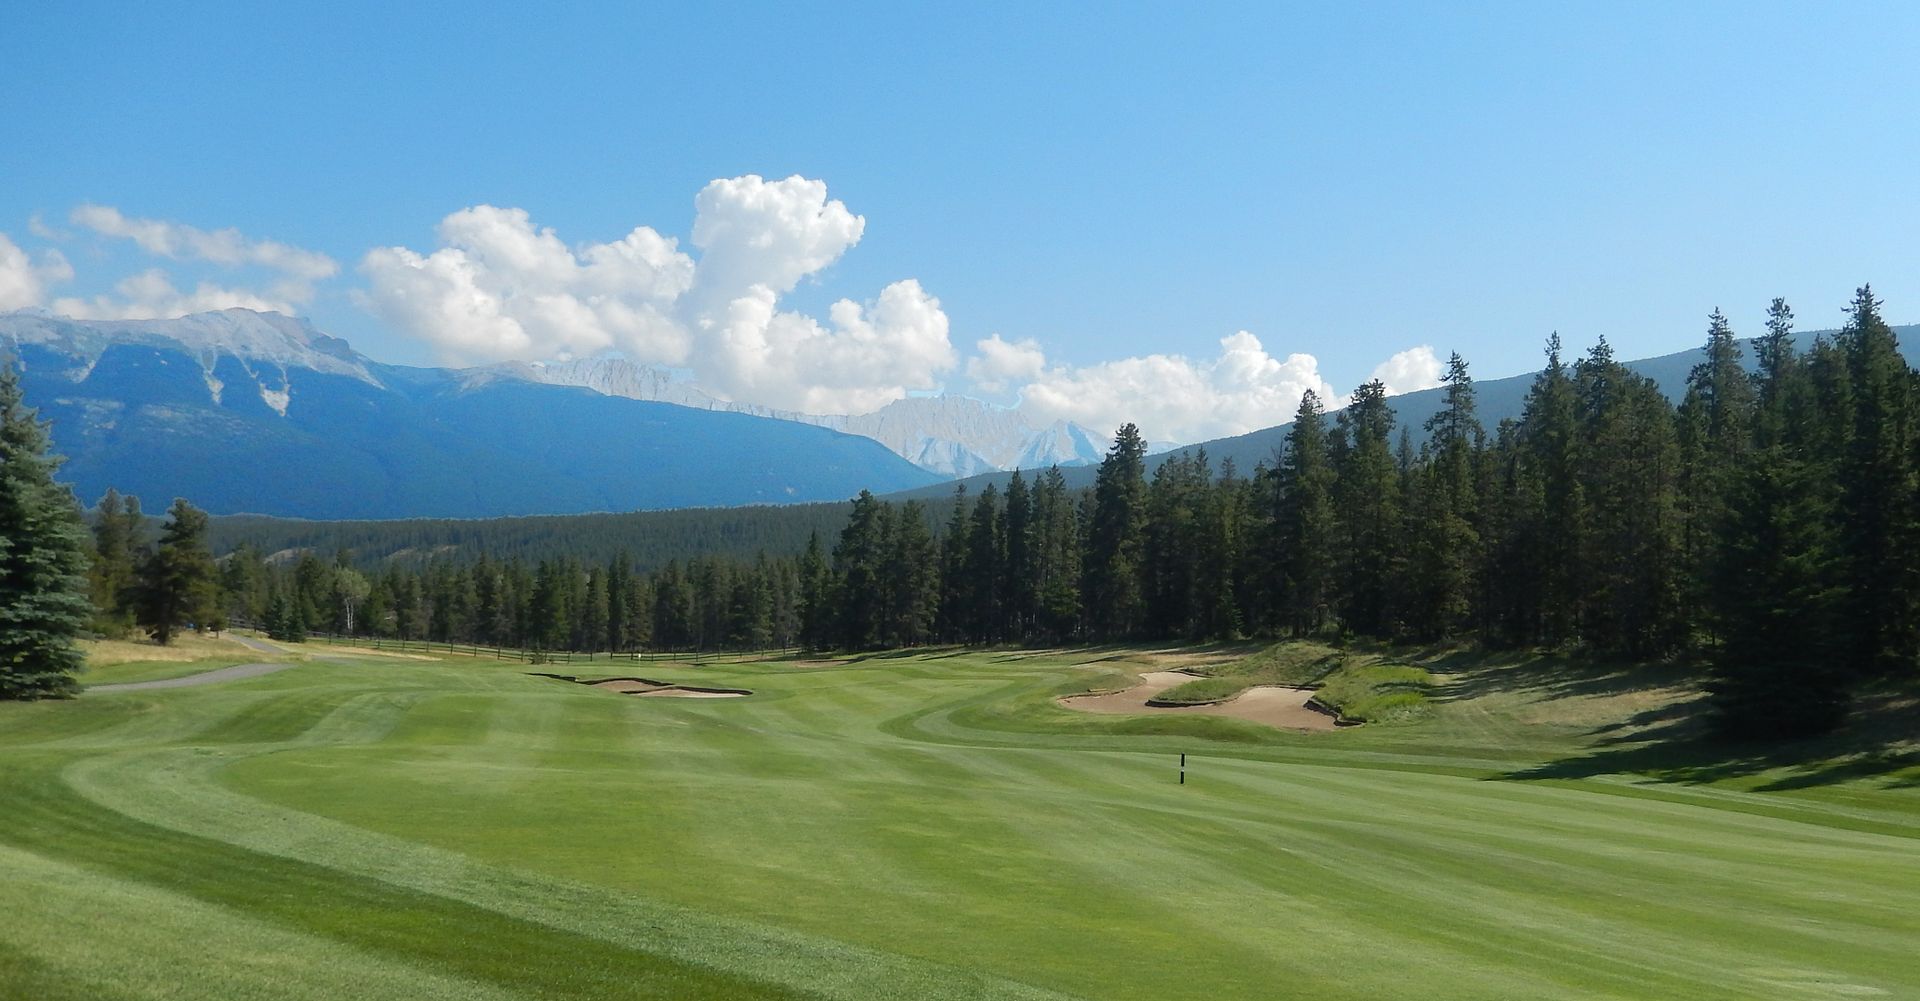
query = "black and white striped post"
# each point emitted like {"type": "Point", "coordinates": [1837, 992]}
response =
{"type": "Point", "coordinates": [1183, 768]}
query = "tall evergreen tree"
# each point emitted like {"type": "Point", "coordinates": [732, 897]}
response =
{"type": "Point", "coordinates": [1367, 504]}
{"type": "Point", "coordinates": [1445, 542]}
{"type": "Point", "coordinates": [953, 617]}
{"type": "Point", "coordinates": [44, 603]}
{"type": "Point", "coordinates": [116, 538]}
{"type": "Point", "coordinates": [1022, 587]}
{"type": "Point", "coordinates": [1715, 420]}
{"type": "Point", "coordinates": [911, 576]}
{"type": "Point", "coordinates": [1057, 553]}
{"type": "Point", "coordinates": [1115, 537]}
{"type": "Point", "coordinates": [986, 569]}
{"type": "Point", "coordinates": [816, 596]}
{"type": "Point", "coordinates": [1881, 566]}
{"type": "Point", "coordinates": [1780, 667]}
{"type": "Point", "coordinates": [858, 564]}
{"type": "Point", "coordinates": [179, 584]}
{"type": "Point", "coordinates": [1306, 521]}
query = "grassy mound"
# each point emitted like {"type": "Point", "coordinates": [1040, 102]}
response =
{"type": "Point", "coordinates": [1363, 686]}
{"type": "Point", "coordinates": [1200, 691]}
{"type": "Point", "coordinates": [1372, 692]}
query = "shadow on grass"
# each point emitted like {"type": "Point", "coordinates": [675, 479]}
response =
{"type": "Point", "coordinates": [1474, 673]}
{"type": "Point", "coordinates": [1676, 743]}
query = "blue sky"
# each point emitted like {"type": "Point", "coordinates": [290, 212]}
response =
{"type": "Point", "coordinates": [1108, 184]}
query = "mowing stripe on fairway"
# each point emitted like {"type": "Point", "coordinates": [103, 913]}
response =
{"type": "Point", "coordinates": [928, 827]}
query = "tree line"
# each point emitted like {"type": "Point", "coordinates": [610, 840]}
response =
{"type": "Point", "coordinates": [1766, 526]}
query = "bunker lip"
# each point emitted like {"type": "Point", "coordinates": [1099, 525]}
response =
{"type": "Point", "coordinates": [1273, 705]}
{"type": "Point", "coordinates": [649, 687]}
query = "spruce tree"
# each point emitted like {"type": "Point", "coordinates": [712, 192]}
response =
{"type": "Point", "coordinates": [1057, 557]}
{"type": "Point", "coordinates": [1445, 542]}
{"type": "Point", "coordinates": [816, 596]}
{"type": "Point", "coordinates": [952, 619]}
{"type": "Point", "coordinates": [1714, 427]}
{"type": "Point", "coordinates": [1022, 591]}
{"type": "Point", "coordinates": [910, 574]}
{"type": "Point", "coordinates": [44, 603]}
{"type": "Point", "coordinates": [858, 566]}
{"type": "Point", "coordinates": [1306, 521]}
{"type": "Point", "coordinates": [179, 584]}
{"type": "Point", "coordinates": [1629, 596]}
{"type": "Point", "coordinates": [1367, 502]}
{"type": "Point", "coordinates": [1878, 508]}
{"type": "Point", "coordinates": [1115, 537]}
{"type": "Point", "coordinates": [1779, 669]}
{"type": "Point", "coordinates": [116, 542]}
{"type": "Point", "coordinates": [1549, 475]}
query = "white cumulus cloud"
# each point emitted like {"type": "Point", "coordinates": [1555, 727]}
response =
{"type": "Point", "coordinates": [751, 231]}
{"type": "Point", "coordinates": [222, 246]}
{"type": "Point", "coordinates": [1000, 362]}
{"type": "Point", "coordinates": [498, 287]}
{"type": "Point", "coordinates": [1176, 399]}
{"type": "Point", "coordinates": [865, 357]}
{"type": "Point", "coordinates": [1409, 371]}
{"type": "Point", "coordinates": [152, 295]}
{"type": "Point", "coordinates": [501, 288]}
{"type": "Point", "coordinates": [23, 280]}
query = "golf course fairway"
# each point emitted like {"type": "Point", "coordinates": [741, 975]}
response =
{"type": "Point", "coordinates": [926, 826]}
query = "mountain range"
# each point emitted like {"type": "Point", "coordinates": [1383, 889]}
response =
{"type": "Point", "coordinates": [241, 411]}
{"type": "Point", "coordinates": [950, 435]}
{"type": "Point", "coordinates": [247, 412]}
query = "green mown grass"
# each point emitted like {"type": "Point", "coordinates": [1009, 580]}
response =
{"type": "Point", "coordinates": [935, 826]}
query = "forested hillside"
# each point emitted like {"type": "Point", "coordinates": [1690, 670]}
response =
{"type": "Point", "coordinates": [651, 538]}
{"type": "Point", "coordinates": [1767, 527]}
{"type": "Point", "coordinates": [1496, 400]}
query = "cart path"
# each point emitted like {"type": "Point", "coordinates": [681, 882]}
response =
{"type": "Point", "coordinates": [233, 673]}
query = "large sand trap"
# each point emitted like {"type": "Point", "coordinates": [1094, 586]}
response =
{"type": "Point", "coordinates": [1273, 705]}
{"type": "Point", "coordinates": [647, 686]}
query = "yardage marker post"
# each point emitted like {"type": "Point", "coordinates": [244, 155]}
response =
{"type": "Point", "coordinates": [1183, 768]}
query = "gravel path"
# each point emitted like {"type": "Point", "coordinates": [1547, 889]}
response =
{"type": "Point", "coordinates": [233, 673]}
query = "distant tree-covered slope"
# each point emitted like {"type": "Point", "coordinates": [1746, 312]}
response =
{"type": "Point", "coordinates": [1499, 399]}
{"type": "Point", "coordinates": [651, 538]}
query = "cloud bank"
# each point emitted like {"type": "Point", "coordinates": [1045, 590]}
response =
{"type": "Point", "coordinates": [499, 287]}
{"type": "Point", "coordinates": [151, 294]}
{"type": "Point", "coordinates": [1176, 399]}
{"type": "Point", "coordinates": [224, 246]}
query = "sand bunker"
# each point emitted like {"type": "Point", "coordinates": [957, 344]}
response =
{"type": "Point", "coordinates": [1273, 705]}
{"type": "Point", "coordinates": [649, 687]}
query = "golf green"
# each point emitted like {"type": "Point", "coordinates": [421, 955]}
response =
{"type": "Point", "coordinates": [927, 826]}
